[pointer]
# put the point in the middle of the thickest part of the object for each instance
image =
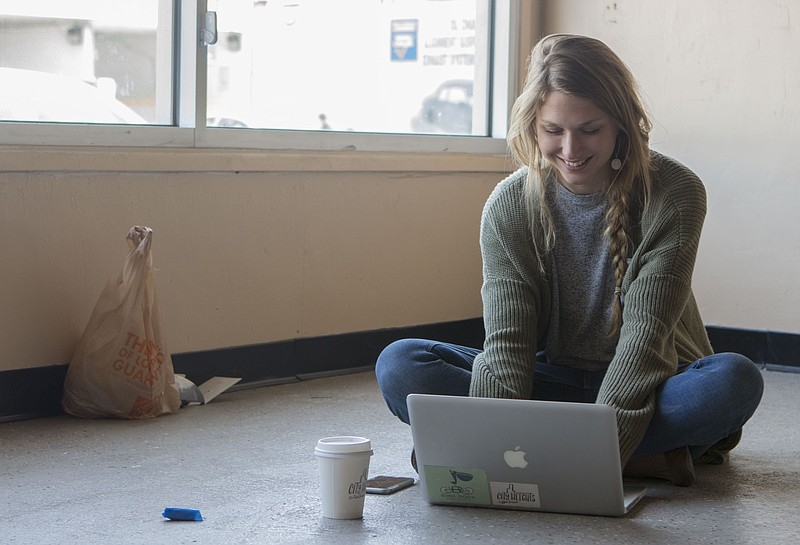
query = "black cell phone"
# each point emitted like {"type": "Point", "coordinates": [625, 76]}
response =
{"type": "Point", "coordinates": [384, 484]}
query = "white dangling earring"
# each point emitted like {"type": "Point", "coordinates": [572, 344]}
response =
{"type": "Point", "coordinates": [616, 163]}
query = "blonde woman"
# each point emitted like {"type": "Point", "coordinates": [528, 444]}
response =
{"type": "Point", "coordinates": [588, 251]}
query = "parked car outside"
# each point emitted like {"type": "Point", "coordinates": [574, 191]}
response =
{"type": "Point", "coordinates": [227, 122]}
{"type": "Point", "coordinates": [29, 95]}
{"type": "Point", "coordinates": [446, 110]}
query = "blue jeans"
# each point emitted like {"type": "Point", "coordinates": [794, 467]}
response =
{"type": "Point", "coordinates": [705, 402]}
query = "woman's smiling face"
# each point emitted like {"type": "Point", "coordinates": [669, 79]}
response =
{"type": "Point", "coordinates": [578, 139]}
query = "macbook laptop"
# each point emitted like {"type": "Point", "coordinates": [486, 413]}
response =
{"type": "Point", "coordinates": [516, 454]}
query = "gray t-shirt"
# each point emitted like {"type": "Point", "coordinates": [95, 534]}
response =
{"type": "Point", "coordinates": [583, 287]}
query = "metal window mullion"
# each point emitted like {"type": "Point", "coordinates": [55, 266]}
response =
{"type": "Point", "coordinates": [505, 55]}
{"type": "Point", "coordinates": [166, 55]}
{"type": "Point", "coordinates": [191, 73]}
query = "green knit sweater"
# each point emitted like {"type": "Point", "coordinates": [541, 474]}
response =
{"type": "Point", "coordinates": [661, 325]}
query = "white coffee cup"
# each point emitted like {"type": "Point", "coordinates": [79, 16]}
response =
{"type": "Point", "coordinates": [343, 469]}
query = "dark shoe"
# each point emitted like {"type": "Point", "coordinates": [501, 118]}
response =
{"type": "Point", "coordinates": [720, 452]}
{"type": "Point", "coordinates": [680, 466]}
{"type": "Point", "coordinates": [414, 460]}
{"type": "Point", "coordinates": [674, 466]}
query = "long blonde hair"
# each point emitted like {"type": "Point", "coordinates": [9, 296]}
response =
{"type": "Point", "coordinates": [586, 67]}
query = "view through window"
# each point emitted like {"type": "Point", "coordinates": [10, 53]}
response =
{"type": "Point", "coordinates": [85, 61]}
{"type": "Point", "coordinates": [399, 66]}
{"type": "Point", "coordinates": [371, 66]}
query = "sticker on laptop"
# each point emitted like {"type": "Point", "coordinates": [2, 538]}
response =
{"type": "Point", "coordinates": [515, 495]}
{"type": "Point", "coordinates": [459, 485]}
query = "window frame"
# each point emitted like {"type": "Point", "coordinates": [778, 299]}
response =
{"type": "Point", "coordinates": [188, 86]}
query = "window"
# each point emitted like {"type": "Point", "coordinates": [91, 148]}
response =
{"type": "Point", "coordinates": [359, 65]}
{"type": "Point", "coordinates": [364, 74]}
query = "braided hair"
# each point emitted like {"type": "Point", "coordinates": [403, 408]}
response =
{"type": "Point", "coordinates": [586, 67]}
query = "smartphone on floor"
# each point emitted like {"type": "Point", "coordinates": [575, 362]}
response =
{"type": "Point", "coordinates": [385, 484]}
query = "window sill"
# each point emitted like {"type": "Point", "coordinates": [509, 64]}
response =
{"type": "Point", "coordinates": [166, 159]}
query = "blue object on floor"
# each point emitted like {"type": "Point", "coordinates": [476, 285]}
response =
{"type": "Point", "coordinates": [179, 513]}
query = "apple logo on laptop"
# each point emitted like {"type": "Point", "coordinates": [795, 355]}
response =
{"type": "Point", "coordinates": [515, 458]}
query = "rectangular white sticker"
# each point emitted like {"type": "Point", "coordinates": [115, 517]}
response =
{"type": "Point", "coordinates": [515, 495]}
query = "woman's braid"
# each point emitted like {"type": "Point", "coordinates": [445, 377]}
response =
{"type": "Point", "coordinates": [618, 233]}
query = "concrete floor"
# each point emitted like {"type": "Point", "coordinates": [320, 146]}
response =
{"type": "Point", "coordinates": [246, 462]}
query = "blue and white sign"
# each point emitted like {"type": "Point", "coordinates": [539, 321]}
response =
{"type": "Point", "coordinates": [404, 39]}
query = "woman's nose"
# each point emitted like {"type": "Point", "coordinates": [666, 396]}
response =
{"type": "Point", "coordinates": [570, 145]}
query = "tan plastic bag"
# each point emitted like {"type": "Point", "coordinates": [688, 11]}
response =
{"type": "Point", "coordinates": [120, 367]}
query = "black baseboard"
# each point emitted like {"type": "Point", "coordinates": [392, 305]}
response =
{"type": "Point", "coordinates": [34, 392]}
{"type": "Point", "coordinates": [772, 349]}
{"type": "Point", "coordinates": [37, 391]}
{"type": "Point", "coordinates": [28, 393]}
{"type": "Point", "coordinates": [295, 359]}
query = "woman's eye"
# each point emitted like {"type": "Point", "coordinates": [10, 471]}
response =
{"type": "Point", "coordinates": [590, 131]}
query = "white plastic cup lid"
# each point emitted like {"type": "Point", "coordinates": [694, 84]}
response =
{"type": "Point", "coordinates": [344, 444]}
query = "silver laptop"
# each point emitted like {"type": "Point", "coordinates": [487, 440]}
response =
{"type": "Point", "coordinates": [515, 454]}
